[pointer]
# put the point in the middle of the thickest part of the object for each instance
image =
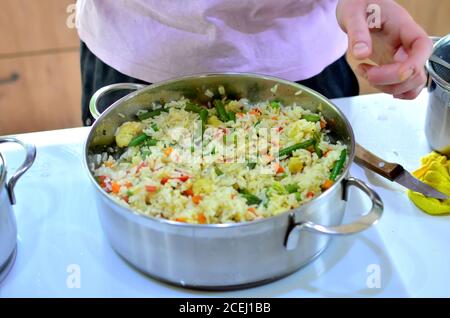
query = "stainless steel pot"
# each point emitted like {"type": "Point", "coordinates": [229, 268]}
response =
{"type": "Point", "coordinates": [225, 256]}
{"type": "Point", "coordinates": [437, 122]}
{"type": "Point", "coordinates": [8, 228]}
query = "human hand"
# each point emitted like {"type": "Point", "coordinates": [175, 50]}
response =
{"type": "Point", "coordinates": [399, 47]}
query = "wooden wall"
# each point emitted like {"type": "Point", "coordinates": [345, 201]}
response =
{"type": "Point", "coordinates": [39, 61]}
{"type": "Point", "coordinates": [39, 67]}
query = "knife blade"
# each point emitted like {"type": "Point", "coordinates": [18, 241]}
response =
{"type": "Point", "coordinates": [407, 180]}
{"type": "Point", "coordinates": [395, 172]}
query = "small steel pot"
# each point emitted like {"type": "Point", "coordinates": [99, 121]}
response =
{"type": "Point", "coordinates": [8, 228]}
{"type": "Point", "coordinates": [437, 122]}
{"type": "Point", "coordinates": [225, 256]}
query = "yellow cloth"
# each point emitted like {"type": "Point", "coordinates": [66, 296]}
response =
{"type": "Point", "coordinates": [435, 172]}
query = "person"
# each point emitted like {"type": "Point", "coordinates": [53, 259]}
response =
{"type": "Point", "coordinates": [147, 41]}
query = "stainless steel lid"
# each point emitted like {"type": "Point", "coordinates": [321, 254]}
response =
{"type": "Point", "coordinates": [438, 72]}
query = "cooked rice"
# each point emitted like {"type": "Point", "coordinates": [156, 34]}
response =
{"type": "Point", "coordinates": [160, 181]}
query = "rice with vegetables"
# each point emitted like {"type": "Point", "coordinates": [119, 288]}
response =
{"type": "Point", "coordinates": [225, 162]}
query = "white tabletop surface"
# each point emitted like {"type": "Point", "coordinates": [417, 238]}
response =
{"type": "Point", "coordinates": [405, 254]}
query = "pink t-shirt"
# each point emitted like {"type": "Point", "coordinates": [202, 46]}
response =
{"type": "Point", "coordinates": [154, 40]}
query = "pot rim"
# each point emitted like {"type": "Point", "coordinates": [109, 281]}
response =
{"type": "Point", "coordinates": [439, 80]}
{"type": "Point", "coordinates": [130, 213]}
{"type": "Point", "coordinates": [3, 170]}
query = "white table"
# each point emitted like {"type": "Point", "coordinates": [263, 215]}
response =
{"type": "Point", "coordinates": [60, 235]}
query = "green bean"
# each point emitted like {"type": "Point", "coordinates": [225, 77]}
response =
{"type": "Point", "coordinates": [232, 116]}
{"type": "Point", "coordinates": [221, 112]}
{"type": "Point", "coordinates": [195, 108]}
{"type": "Point", "coordinates": [251, 165]}
{"type": "Point", "coordinates": [317, 138]}
{"type": "Point", "coordinates": [338, 165]}
{"type": "Point", "coordinates": [291, 188]}
{"type": "Point", "coordinates": [136, 141]}
{"type": "Point", "coordinates": [218, 171]}
{"type": "Point", "coordinates": [274, 104]}
{"type": "Point", "coordinates": [298, 196]}
{"type": "Point", "coordinates": [204, 119]}
{"type": "Point", "coordinates": [289, 150]}
{"type": "Point", "coordinates": [311, 117]}
{"type": "Point", "coordinates": [251, 199]}
{"type": "Point", "coordinates": [151, 114]}
{"type": "Point", "coordinates": [150, 142]}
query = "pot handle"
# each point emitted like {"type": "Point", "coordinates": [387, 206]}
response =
{"type": "Point", "coordinates": [359, 225]}
{"type": "Point", "coordinates": [93, 104]}
{"type": "Point", "coordinates": [29, 159]}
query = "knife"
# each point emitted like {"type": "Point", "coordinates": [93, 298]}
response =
{"type": "Point", "coordinates": [394, 172]}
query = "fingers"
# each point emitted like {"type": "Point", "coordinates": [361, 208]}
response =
{"type": "Point", "coordinates": [352, 17]}
{"type": "Point", "coordinates": [417, 81]}
{"type": "Point", "coordinates": [408, 60]}
{"type": "Point", "coordinates": [388, 74]}
{"type": "Point", "coordinates": [411, 94]}
{"type": "Point", "coordinates": [420, 48]}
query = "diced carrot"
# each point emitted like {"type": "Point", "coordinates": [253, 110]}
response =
{"type": "Point", "coordinates": [274, 118]}
{"type": "Point", "coordinates": [183, 178]}
{"type": "Point", "coordinates": [240, 115]}
{"type": "Point", "coordinates": [280, 129]}
{"type": "Point", "coordinates": [126, 198]}
{"type": "Point", "coordinates": [115, 187]}
{"type": "Point", "coordinates": [201, 218]}
{"type": "Point", "coordinates": [252, 210]}
{"type": "Point", "coordinates": [164, 180]}
{"type": "Point", "coordinates": [109, 164]}
{"type": "Point", "coordinates": [128, 184]}
{"type": "Point", "coordinates": [233, 196]}
{"type": "Point", "coordinates": [168, 151]}
{"type": "Point", "coordinates": [310, 195]}
{"type": "Point", "coordinates": [323, 123]}
{"type": "Point", "coordinates": [279, 168]}
{"type": "Point", "coordinates": [326, 153]}
{"type": "Point", "coordinates": [196, 199]}
{"type": "Point", "coordinates": [327, 184]}
{"type": "Point", "coordinates": [255, 111]}
{"type": "Point", "coordinates": [181, 220]}
{"type": "Point", "coordinates": [151, 188]}
{"type": "Point", "coordinates": [189, 192]}
{"type": "Point", "coordinates": [101, 181]}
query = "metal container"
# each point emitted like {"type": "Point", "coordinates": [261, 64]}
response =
{"type": "Point", "coordinates": [437, 122]}
{"type": "Point", "coordinates": [225, 256]}
{"type": "Point", "coordinates": [8, 228]}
